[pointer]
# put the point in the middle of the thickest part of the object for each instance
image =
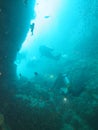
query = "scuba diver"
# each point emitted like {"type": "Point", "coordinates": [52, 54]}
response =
{"type": "Point", "coordinates": [32, 27]}
{"type": "Point", "coordinates": [60, 90]}
{"type": "Point", "coordinates": [61, 84]}
{"type": "Point", "coordinates": [65, 87]}
{"type": "Point", "coordinates": [48, 52]}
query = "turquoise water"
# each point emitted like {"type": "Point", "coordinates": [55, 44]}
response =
{"type": "Point", "coordinates": [58, 31]}
{"type": "Point", "coordinates": [56, 83]}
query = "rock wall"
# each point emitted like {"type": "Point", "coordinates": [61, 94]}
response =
{"type": "Point", "coordinates": [15, 16]}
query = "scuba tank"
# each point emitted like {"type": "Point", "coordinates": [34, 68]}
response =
{"type": "Point", "coordinates": [64, 89]}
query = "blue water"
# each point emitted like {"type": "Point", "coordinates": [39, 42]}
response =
{"type": "Point", "coordinates": [57, 31]}
{"type": "Point", "coordinates": [57, 68]}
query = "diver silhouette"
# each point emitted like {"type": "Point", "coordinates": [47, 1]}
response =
{"type": "Point", "coordinates": [48, 52]}
{"type": "Point", "coordinates": [32, 27]}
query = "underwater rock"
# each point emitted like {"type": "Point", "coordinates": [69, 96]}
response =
{"type": "Point", "coordinates": [3, 126]}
